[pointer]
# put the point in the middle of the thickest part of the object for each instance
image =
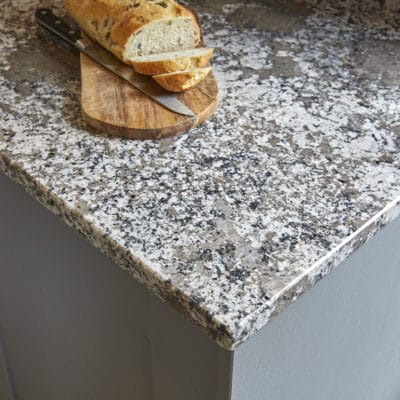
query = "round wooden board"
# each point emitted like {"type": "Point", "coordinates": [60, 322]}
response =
{"type": "Point", "coordinates": [111, 105]}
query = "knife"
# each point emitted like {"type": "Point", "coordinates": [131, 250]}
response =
{"type": "Point", "coordinates": [71, 35]}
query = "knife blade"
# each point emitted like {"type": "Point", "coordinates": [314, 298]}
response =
{"type": "Point", "coordinates": [146, 85]}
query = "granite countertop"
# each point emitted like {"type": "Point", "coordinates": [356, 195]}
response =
{"type": "Point", "coordinates": [231, 222]}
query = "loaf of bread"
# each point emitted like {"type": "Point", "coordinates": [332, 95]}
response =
{"type": "Point", "coordinates": [132, 28]}
{"type": "Point", "coordinates": [182, 80]}
{"type": "Point", "coordinates": [156, 64]}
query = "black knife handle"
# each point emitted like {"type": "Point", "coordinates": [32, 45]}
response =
{"type": "Point", "coordinates": [48, 20]}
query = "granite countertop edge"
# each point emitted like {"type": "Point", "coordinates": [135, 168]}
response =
{"type": "Point", "coordinates": [143, 272]}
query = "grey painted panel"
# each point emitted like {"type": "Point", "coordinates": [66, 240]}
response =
{"type": "Point", "coordinates": [225, 370]}
{"type": "Point", "coordinates": [187, 365]}
{"type": "Point", "coordinates": [339, 341]}
{"type": "Point", "coordinates": [74, 326]}
{"type": "Point", "coordinates": [77, 327]}
{"type": "Point", "coordinates": [6, 389]}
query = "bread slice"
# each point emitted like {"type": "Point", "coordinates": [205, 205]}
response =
{"type": "Point", "coordinates": [156, 64]}
{"type": "Point", "coordinates": [182, 80]}
{"type": "Point", "coordinates": [132, 28]}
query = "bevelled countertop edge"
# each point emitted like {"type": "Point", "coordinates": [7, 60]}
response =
{"type": "Point", "coordinates": [311, 276]}
{"type": "Point", "coordinates": [147, 275]}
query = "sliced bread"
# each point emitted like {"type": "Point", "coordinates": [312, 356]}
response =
{"type": "Point", "coordinates": [182, 80]}
{"type": "Point", "coordinates": [132, 28]}
{"type": "Point", "coordinates": [156, 64]}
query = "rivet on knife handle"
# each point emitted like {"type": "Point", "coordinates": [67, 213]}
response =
{"type": "Point", "coordinates": [48, 20]}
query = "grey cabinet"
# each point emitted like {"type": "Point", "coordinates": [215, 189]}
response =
{"type": "Point", "coordinates": [74, 326]}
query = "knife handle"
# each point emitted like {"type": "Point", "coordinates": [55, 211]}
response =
{"type": "Point", "coordinates": [48, 20]}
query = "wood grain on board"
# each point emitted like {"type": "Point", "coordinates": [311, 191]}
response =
{"type": "Point", "coordinates": [111, 105]}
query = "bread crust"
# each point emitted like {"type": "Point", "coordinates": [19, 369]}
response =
{"type": "Point", "coordinates": [179, 63]}
{"type": "Point", "coordinates": [111, 23]}
{"type": "Point", "coordinates": [181, 81]}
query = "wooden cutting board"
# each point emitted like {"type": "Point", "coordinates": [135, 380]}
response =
{"type": "Point", "coordinates": [111, 105]}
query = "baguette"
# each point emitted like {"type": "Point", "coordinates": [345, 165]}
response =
{"type": "Point", "coordinates": [182, 80]}
{"type": "Point", "coordinates": [156, 64]}
{"type": "Point", "coordinates": [132, 28]}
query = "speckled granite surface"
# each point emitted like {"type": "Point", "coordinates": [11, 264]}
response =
{"type": "Point", "coordinates": [231, 222]}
